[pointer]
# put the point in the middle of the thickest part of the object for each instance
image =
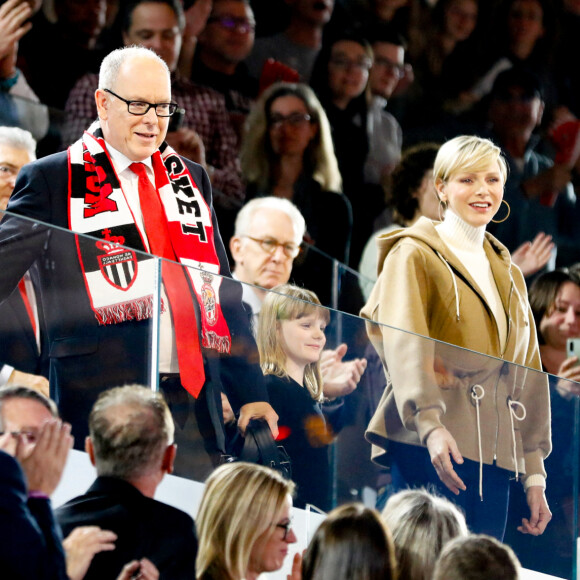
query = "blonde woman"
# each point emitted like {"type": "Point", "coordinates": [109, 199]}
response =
{"type": "Point", "coordinates": [478, 421]}
{"type": "Point", "coordinates": [244, 523]}
{"type": "Point", "coordinates": [290, 341]}
{"type": "Point", "coordinates": [421, 524]}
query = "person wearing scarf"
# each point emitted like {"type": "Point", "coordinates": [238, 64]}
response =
{"type": "Point", "coordinates": [450, 417]}
{"type": "Point", "coordinates": [98, 286]}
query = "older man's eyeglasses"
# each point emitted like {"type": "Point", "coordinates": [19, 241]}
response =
{"type": "Point", "coordinates": [286, 527]}
{"type": "Point", "coordinates": [270, 245]}
{"type": "Point", "coordinates": [141, 108]}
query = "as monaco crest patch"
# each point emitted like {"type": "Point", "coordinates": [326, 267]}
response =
{"type": "Point", "coordinates": [118, 265]}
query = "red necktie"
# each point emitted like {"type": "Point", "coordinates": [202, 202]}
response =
{"type": "Point", "coordinates": [176, 286]}
{"type": "Point", "coordinates": [24, 294]}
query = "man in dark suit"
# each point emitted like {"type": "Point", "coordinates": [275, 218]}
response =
{"type": "Point", "coordinates": [100, 301]}
{"type": "Point", "coordinates": [131, 445]}
{"type": "Point", "coordinates": [20, 361]}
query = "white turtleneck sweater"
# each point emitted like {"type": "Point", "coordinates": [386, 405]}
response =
{"type": "Point", "coordinates": [466, 242]}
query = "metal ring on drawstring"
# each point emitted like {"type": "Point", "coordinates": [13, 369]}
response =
{"type": "Point", "coordinates": [513, 406]}
{"type": "Point", "coordinates": [477, 393]}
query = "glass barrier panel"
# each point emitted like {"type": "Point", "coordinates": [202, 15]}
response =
{"type": "Point", "coordinates": [95, 306]}
{"type": "Point", "coordinates": [337, 285]}
{"type": "Point", "coordinates": [333, 461]}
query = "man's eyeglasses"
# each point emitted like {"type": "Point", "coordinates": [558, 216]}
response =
{"type": "Point", "coordinates": [232, 23]}
{"type": "Point", "coordinates": [270, 245]}
{"type": "Point", "coordinates": [286, 527]}
{"type": "Point", "coordinates": [295, 119]}
{"type": "Point", "coordinates": [390, 65]}
{"type": "Point", "coordinates": [142, 107]}
{"type": "Point", "coordinates": [346, 64]}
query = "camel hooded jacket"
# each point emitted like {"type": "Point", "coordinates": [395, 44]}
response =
{"type": "Point", "coordinates": [495, 410]}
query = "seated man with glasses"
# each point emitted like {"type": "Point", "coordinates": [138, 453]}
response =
{"type": "Point", "coordinates": [121, 183]}
{"type": "Point", "coordinates": [267, 239]}
{"type": "Point", "coordinates": [268, 235]}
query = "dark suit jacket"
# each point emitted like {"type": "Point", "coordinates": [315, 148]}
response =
{"type": "Point", "coordinates": [30, 542]}
{"type": "Point", "coordinates": [146, 528]}
{"type": "Point", "coordinates": [86, 358]}
{"type": "Point", "coordinates": [18, 346]}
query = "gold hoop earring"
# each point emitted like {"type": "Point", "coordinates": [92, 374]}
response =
{"type": "Point", "coordinates": [442, 204]}
{"type": "Point", "coordinates": [507, 216]}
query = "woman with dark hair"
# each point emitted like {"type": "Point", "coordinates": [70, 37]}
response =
{"type": "Point", "coordinates": [287, 151]}
{"type": "Point", "coordinates": [555, 302]}
{"type": "Point", "coordinates": [352, 543]}
{"type": "Point", "coordinates": [412, 195]}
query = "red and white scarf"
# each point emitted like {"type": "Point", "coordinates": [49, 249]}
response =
{"type": "Point", "coordinates": [119, 280]}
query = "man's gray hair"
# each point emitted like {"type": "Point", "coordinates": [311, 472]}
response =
{"type": "Point", "coordinates": [18, 139]}
{"type": "Point", "coordinates": [114, 60]}
{"type": "Point", "coordinates": [130, 428]}
{"type": "Point", "coordinates": [245, 215]}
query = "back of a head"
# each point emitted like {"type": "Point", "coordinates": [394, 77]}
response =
{"type": "Point", "coordinates": [421, 524]}
{"type": "Point", "coordinates": [477, 557]}
{"type": "Point", "coordinates": [352, 542]}
{"type": "Point", "coordinates": [130, 428]}
{"type": "Point", "coordinates": [407, 178]}
{"type": "Point", "coordinates": [240, 502]}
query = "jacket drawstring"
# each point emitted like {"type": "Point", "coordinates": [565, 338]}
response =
{"type": "Point", "coordinates": [454, 285]}
{"type": "Point", "coordinates": [513, 406]}
{"type": "Point", "coordinates": [477, 393]}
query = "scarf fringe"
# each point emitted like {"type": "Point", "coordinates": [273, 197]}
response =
{"type": "Point", "coordinates": [139, 309]}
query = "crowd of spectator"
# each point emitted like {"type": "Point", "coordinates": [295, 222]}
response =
{"type": "Point", "coordinates": [317, 128]}
{"type": "Point", "coordinates": [386, 75]}
{"type": "Point", "coordinates": [118, 530]}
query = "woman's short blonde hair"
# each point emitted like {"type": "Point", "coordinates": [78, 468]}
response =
{"type": "Point", "coordinates": [287, 302]}
{"type": "Point", "coordinates": [467, 153]}
{"type": "Point", "coordinates": [240, 502]}
{"type": "Point", "coordinates": [421, 524]}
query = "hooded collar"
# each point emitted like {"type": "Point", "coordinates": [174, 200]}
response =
{"type": "Point", "coordinates": [424, 231]}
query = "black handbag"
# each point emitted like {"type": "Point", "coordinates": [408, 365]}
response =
{"type": "Point", "coordinates": [258, 446]}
